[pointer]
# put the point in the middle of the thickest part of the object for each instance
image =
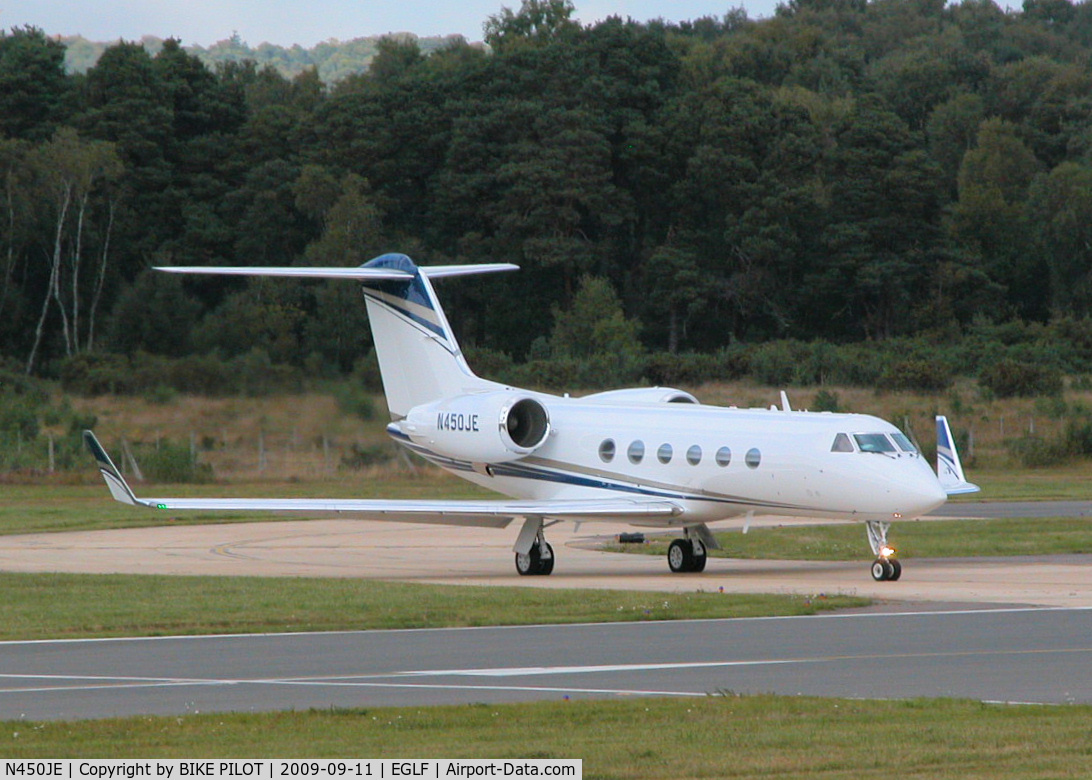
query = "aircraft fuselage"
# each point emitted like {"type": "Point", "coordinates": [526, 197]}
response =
{"type": "Point", "coordinates": [716, 462]}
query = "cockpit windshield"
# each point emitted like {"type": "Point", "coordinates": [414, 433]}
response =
{"type": "Point", "coordinates": [904, 442]}
{"type": "Point", "coordinates": [873, 442]}
{"type": "Point", "coordinates": [841, 444]}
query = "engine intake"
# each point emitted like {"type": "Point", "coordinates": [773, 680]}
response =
{"type": "Point", "coordinates": [526, 424]}
{"type": "Point", "coordinates": [480, 427]}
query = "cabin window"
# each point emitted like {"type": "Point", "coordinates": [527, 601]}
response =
{"type": "Point", "coordinates": [873, 442]}
{"type": "Point", "coordinates": [636, 451]}
{"type": "Point", "coordinates": [724, 456]}
{"type": "Point", "coordinates": [904, 442]}
{"type": "Point", "coordinates": [606, 450]}
{"type": "Point", "coordinates": [693, 455]}
{"type": "Point", "coordinates": [753, 458]}
{"type": "Point", "coordinates": [841, 444]}
{"type": "Point", "coordinates": [664, 453]}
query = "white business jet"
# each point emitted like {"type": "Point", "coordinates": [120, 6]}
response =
{"type": "Point", "coordinates": [652, 457]}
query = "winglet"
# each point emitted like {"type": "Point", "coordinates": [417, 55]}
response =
{"type": "Point", "coordinates": [949, 468]}
{"type": "Point", "coordinates": [119, 489]}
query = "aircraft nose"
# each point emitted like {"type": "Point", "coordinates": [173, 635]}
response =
{"type": "Point", "coordinates": [923, 494]}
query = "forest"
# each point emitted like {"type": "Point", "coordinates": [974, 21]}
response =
{"type": "Point", "coordinates": [887, 191]}
{"type": "Point", "coordinates": [333, 59]}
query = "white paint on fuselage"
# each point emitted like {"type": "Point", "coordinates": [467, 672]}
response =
{"type": "Point", "coordinates": [798, 474]}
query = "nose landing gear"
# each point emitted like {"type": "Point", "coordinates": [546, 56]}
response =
{"type": "Point", "coordinates": [886, 568]}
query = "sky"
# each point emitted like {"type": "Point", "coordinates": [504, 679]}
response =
{"type": "Point", "coordinates": [307, 22]}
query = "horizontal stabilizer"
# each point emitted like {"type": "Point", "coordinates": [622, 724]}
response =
{"type": "Point", "coordinates": [496, 514]}
{"type": "Point", "coordinates": [949, 468]}
{"type": "Point", "coordinates": [362, 274]}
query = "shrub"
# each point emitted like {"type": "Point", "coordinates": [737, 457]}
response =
{"type": "Point", "coordinates": [1007, 378]}
{"type": "Point", "coordinates": [170, 462]}
{"type": "Point", "coordinates": [18, 417]}
{"type": "Point", "coordinates": [352, 399]}
{"type": "Point", "coordinates": [97, 373]}
{"type": "Point", "coordinates": [664, 368]}
{"type": "Point", "coordinates": [775, 363]}
{"type": "Point", "coordinates": [916, 374]}
{"type": "Point", "coordinates": [825, 401]}
{"type": "Point", "coordinates": [1033, 452]}
{"type": "Point", "coordinates": [1078, 437]}
{"type": "Point", "coordinates": [360, 457]}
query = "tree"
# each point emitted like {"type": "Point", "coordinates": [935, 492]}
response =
{"type": "Point", "coordinates": [536, 20]}
{"type": "Point", "coordinates": [394, 57]}
{"type": "Point", "coordinates": [595, 325]}
{"type": "Point", "coordinates": [952, 130]}
{"type": "Point", "coordinates": [1060, 209]}
{"type": "Point", "coordinates": [154, 315]}
{"type": "Point", "coordinates": [68, 170]}
{"type": "Point", "coordinates": [675, 287]}
{"type": "Point", "coordinates": [34, 92]}
{"type": "Point", "coordinates": [990, 218]}
{"type": "Point", "coordinates": [556, 192]}
{"type": "Point", "coordinates": [15, 186]}
{"type": "Point", "coordinates": [352, 224]}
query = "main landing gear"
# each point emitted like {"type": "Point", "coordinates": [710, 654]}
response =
{"type": "Point", "coordinates": [689, 554]}
{"type": "Point", "coordinates": [534, 555]}
{"type": "Point", "coordinates": [538, 560]}
{"type": "Point", "coordinates": [886, 567]}
{"type": "Point", "coordinates": [686, 555]}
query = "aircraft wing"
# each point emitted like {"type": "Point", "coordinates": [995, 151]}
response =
{"type": "Point", "coordinates": [496, 514]}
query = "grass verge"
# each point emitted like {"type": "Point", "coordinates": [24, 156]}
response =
{"type": "Point", "coordinates": [719, 736]}
{"type": "Point", "coordinates": [47, 508]}
{"type": "Point", "coordinates": [913, 539]}
{"type": "Point", "coordinates": [58, 606]}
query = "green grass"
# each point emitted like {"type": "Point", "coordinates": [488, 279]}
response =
{"type": "Point", "coordinates": [912, 538]}
{"type": "Point", "coordinates": [718, 736]}
{"type": "Point", "coordinates": [51, 606]}
{"type": "Point", "coordinates": [1061, 483]}
{"type": "Point", "coordinates": [44, 508]}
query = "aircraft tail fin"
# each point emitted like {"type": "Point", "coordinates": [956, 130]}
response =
{"type": "Point", "coordinates": [949, 467]}
{"type": "Point", "coordinates": [419, 357]}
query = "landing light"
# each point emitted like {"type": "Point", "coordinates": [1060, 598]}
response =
{"type": "Point", "coordinates": [886, 551]}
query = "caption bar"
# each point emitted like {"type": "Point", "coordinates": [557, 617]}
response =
{"type": "Point", "coordinates": [277, 769]}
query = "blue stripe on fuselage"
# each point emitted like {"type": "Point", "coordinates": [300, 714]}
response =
{"type": "Point", "coordinates": [518, 470]}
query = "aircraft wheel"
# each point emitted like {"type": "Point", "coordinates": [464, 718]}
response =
{"type": "Point", "coordinates": [699, 562]}
{"type": "Point", "coordinates": [546, 565]}
{"type": "Point", "coordinates": [896, 570]}
{"type": "Point", "coordinates": [530, 562]}
{"type": "Point", "coordinates": [680, 556]}
{"type": "Point", "coordinates": [533, 562]}
{"type": "Point", "coordinates": [882, 570]}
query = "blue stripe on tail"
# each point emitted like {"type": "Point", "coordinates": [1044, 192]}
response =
{"type": "Point", "coordinates": [411, 291]}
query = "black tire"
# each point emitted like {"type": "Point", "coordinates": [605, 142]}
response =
{"type": "Point", "coordinates": [530, 563]}
{"type": "Point", "coordinates": [699, 562]}
{"type": "Point", "coordinates": [896, 570]}
{"type": "Point", "coordinates": [680, 556]}
{"type": "Point", "coordinates": [881, 570]}
{"type": "Point", "coordinates": [546, 565]}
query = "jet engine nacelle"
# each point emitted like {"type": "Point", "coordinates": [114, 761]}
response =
{"type": "Point", "coordinates": [480, 427]}
{"type": "Point", "coordinates": [642, 395]}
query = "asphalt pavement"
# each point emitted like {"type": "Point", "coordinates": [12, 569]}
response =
{"type": "Point", "coordinates": [1024, 655]}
